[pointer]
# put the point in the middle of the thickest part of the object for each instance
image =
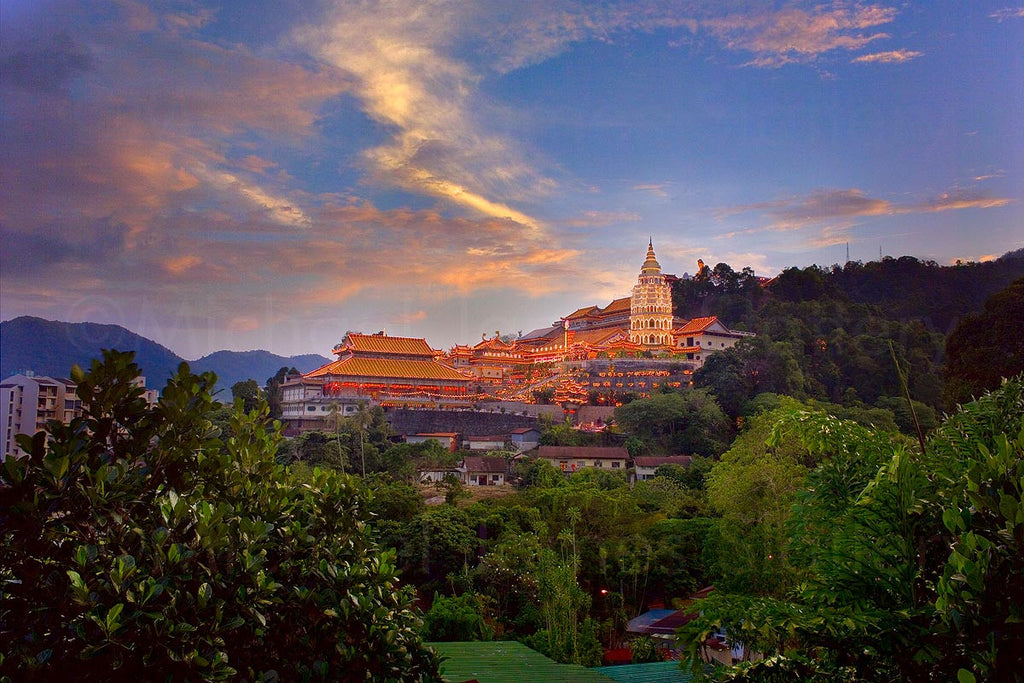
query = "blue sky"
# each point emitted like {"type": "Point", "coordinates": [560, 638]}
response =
{"type": "Point", "coordinates": [272, 174]}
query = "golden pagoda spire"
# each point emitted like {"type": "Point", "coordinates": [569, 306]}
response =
{"type": "Point", "coordinates": [651, 265]}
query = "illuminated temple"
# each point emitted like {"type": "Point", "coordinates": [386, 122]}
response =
{"type": "Point", "coordinates": [372, 368]}
{"type": "Point", "coordinates": [403, 371]}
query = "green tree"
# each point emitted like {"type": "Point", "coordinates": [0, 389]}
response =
{"type": "Point", "coordinates": [458, 618]}
{"type": "Point", "coordinates": [137, 540]}
{"type": "Point", "coordinates": [273, 389]}
{"type": "Point", "coordinates": [914, 559]}
{"type": "Point", "coordinates": [987, 347]}
{"type": "Point", "coordinates": [248, 392]}
{"type": "Point", "coordinates": [689, 421]}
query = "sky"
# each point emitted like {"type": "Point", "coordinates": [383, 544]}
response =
{"type": "Point", "coordinates": [270, 175]}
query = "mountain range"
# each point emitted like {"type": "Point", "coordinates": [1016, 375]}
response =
{"type": "Point", "coordinates": [49, 347]}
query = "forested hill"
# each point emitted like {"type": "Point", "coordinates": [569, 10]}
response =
{"type": "Point", "coordinates": [48, 347]}
{"type": "Point", "coordinates": [830, 333]}
{"type": "Point", "coordinates": [51, 347]}
{"type": "Point", "coordinates": [906, 288]}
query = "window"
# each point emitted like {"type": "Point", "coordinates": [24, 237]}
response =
{"type": "Point", "coordinates": [311, 408]}
{"type": "Point", "coordinates": [615, 464]}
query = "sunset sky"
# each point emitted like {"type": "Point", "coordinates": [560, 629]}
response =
{"type": "Point", "coordinates": [252, 174]}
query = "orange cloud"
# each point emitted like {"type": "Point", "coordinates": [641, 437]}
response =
{"type": "Point", "coordinates": [796, 35]}
{"type": "Point", "coordinates": [890, 57]}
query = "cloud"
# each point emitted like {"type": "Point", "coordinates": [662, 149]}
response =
{"type": "Point", "coordinates": [794, 35]}
{"type": "Point", "coordinates": [1008, 13]}
{"type": "Point", "coordinates": [890, 57]}
{"type": "Point", "coordinates": [657, 189]}
{"type": "Point", "coordinates": [834, 212]}
{"type": "Point", "coordinates": [960, 199]}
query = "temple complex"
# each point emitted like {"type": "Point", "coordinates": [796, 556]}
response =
{"type": "Point", "coordinates": [634, 345]}
{"type": "Point", "coordinates": [373, 368]}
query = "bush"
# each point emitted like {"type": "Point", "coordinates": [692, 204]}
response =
{"type": "Point", "coordinates": [456, 619]}
{"type": "Point", "coordinates": [137, 541]}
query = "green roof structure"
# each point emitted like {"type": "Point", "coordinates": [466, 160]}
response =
{"type": "Point", "coordinates": [654, 672]}
{"type": "Point", "coordinates": [507, 661]}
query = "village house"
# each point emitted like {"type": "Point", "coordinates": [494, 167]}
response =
{"type": "Point", "coordinates": [483, 471]}
{"type": "Point", "coordinates": [644, 467]}
{"type": "Point", "coordinates": [575, 458]}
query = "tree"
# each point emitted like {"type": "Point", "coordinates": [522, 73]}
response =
{"type": "Point", "coordinates": [689, 421]}
{"type": "Point", "coordinates": [456, 619]}
{"type": "Point", "coordinates": [914, 559]}
{"type": "Point", "coordinates": [273, 389]}
{"type": "Point", "coordinates": [987, 347]}
{"type": "Point", "coordinates": [248, 392]}
{"type": "Point", "coordinates": [139, 540]}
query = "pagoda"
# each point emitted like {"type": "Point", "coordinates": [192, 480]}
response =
{"type": "Point", "coordinates": [650, 305]}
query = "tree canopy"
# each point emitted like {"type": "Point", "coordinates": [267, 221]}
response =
{"type": "Point", "coordinates": [138, 541]}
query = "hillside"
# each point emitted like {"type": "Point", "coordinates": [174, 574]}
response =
{"type": "Point", "coordinates": [831, 333]}
{"type": "Point", "coordinates": [238, 366]}
{"type": "Point", "coordinates": [48, 347]}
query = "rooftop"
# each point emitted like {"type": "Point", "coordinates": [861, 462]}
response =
{"type": "Point", "coordinates": [390, 369]}
{"type": "Point", "coordinates": [507, 662]}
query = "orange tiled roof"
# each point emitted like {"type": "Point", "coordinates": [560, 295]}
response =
{"type": "Point", "coordinates": [597, 337]}
{"type": "Point", "coordinates": [494, 343]}
{"type": "Point", "coordinates": [617, 306]}
{"type": "Point", "coordinates": [697, 325]}
{"type": "Point", "coordinates": [582, 312]}
{"type": "Point", "coordinates": [373, 343]}
{"type": "Point", "coordinates": [390, 369]}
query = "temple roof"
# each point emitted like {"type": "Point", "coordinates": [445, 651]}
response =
{"type": "Point", "coordinates": [382, 344]}
{"type": "Point", "coordinates": [542, 333]}
{"type": "Point", "coordinates": [697, 325]}
{"type": "Point", "coordinates": [389, 369]}
{"type": "Point", "coordinates": [616, 306]}
{"type": "Point", "coordinates": [582, 312]}
{"type": "Point", "coordinates": [598, 336]}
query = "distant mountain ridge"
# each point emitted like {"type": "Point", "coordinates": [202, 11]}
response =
{"type": "Point", "coordinates": [49, 347]}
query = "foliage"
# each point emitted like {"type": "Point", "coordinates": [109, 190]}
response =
{"type": "Point", "coordinates": [830, 328]}
{"type": "Point", "coordinates": [249, 393]}
{"type": "Point", "coordinates": [988, 346]}
{"type": "Point", "coordinates": [456, 619]}
{"type": "Point", "coordinates": [273, 390]}
{"type": "Point", "coordinates": [138, 541]}
{"type": "Point", "coordinates": [753, 487]}
{"type": "Point", "coordinates": [692, 476]}
{"type": "Point", "coordinates": [689, 421]}
{"type": "Point", "coordinates": [645, 650]}
{"type": "Point", "coordinates": [437, 542]}
{"type": "Point", "coordinates": [914, 560]}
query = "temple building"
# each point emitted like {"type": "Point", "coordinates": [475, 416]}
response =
{"type": "Point", "coordinates": [650, 305]}
{"type": "Point", "coordinates": [377, 369]}
{"type": "Point", "coordinates": [699, 337]}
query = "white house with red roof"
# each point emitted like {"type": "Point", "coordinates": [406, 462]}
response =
{"type": "Point", "coordinates": [700, 337]}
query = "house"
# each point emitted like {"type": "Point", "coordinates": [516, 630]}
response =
{"type": "Point", "coordinates": [646, 466]}
{"type": "Point", "coordinates": [450, 440]}
{"type": "Point", "coordinates": [700, 337]}
{"type": "Point", "coordinates": [484, 443]}
{"type": "Point", "coordinates": [525, 438]}
{"type": "Point", "coordinates": [438, 474]}
{"type": "Point", "coordinates": [574, 458]}
{"type": "Point", "coordinates": [483, 471]}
